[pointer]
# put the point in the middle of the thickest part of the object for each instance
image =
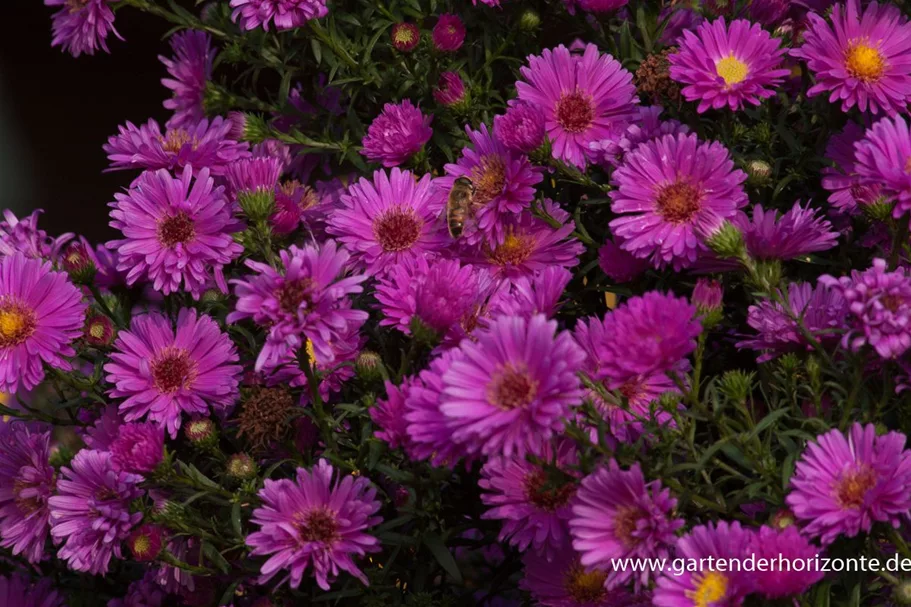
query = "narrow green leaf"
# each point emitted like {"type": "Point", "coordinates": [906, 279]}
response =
{"type": "Point", "coordinates": [441, 553]}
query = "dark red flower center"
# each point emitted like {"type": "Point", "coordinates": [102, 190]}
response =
{"type": "Point", "coordinates": [26, 505]}
{"type": "Point", "coordinates": [584, 586]}
{"type": "Point", "coordinates": [512, 387]}
{"type": "Point", "coordinates": [575, 112]}
{"type": "Point", "coordinates": [176, 229]}
{"type": "Point", "coordinates": [292, 293]}
{"type": "Point", "coordinates": [625, 522]}
{"type": "Point", "coordinates": [854, 485]}
{"type": "Point", "coordinates": [319, 525]}
{"type": "Point", "coordinates": [892, 302]}
{"type": "Point", "coordinates": [488, 178]}
{"type": "Point", "coordinates": [397, 229]}
{"type": "Point", "coordinates": [173, 370]}
{"type": "Point", "coordinates": [631, 390]}
{"type": "Point", "coordinates": [545, 497]}
{"type": "Point", "coordinates": [679, 202]}
{"type": "Point", "coordinates": [514, 250]}
{"type": "Point", "coordinates": [17, 323]}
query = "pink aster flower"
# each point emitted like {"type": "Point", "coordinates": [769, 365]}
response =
{"type": "Point", "coordinates": [719, 588]}
{"type": "Point", "coordinates": [531, 295]}
{"type": "Point", "coordinates": [397, 134]}
{"type": "Point", "coordinates": [405, 37]}
{"type": "Point", "coordinates": [610, 152]}
{"type": "Point", "coordinates": [190, 69]}
{"type": "Point", "coordinates": [533, 506]}
{"type": "Point", "coordinates": [176, 231]}
{"type": "Point", "coordinates": [504, 184]}
{"type": "Point", "coordinates": [861, 59]}
{"type": "Point", "coordinates": [601, 6]}
{"type": "Point", "coordinates": [617, 515]}
{"type": "Point", "coordinates": [843, 484]}
{"type": "Point", "coordinates": [671, 192]}
{"type": "Point", "coordinates": [879, 303]}
{"type": "Point", "coordinates": [90, 515]}
{"type": "Point", "coordinates": [389, 414]}
{"type": "Point", "coordinates": [203, 145]}
{"type": "Point", "coordinates": [162, 372]}
{"type": "Point", "coordinates": [27, 480]}
{"type": "Point", "coordinates": [847, 190]}
{"type": "Point", "coordinates": [512, 388]}
{"type": "Point", "coordinates": [883, 157]}
{"type": "Point", "coordinates": [18, 591]}
{"type": "Point", "coordinates": [390, 218]}
{"type": "Point", "coordinates": [680, 18]}
{"type": "Point", "coordinates": [253, 175]}
{"type": "Point", "coordinates": [317, 521]}
{"type": "Point", "coordinates": [582, 98]}
{"type": "Point", "coordinates": [82, 26]}
{"type": "Point", "coordinates": [305, 299]}
{"type": "Point", "coordinates": [450, 89]}
{"type": "Point", "coordinates": [146, 542]}
{"type": "Point", "coordinates": [448, 33]}
{"type": "Point", "coordinates": [141, 593]}
{"type": "Point", "coordinates": [41, 314]}
{"type": "Point", "coordinates": [521, 128]}
{"type": "Point", "coordinates": [794, 234]}
{"type": "Point", "coordinates": [23, 236]}
{"type": "Point", "coordinates": [619, 265]}
{"type": "Point", "coordinates": [284, 14]}
{"type": "Point", "coordinates": [138, 448]}
{"type": "Point", "coordinates": [298, 204]}
{"type": "Point", "coordinates": [725, 65]}
{"type": "Point", "coordinates": [786, 544]}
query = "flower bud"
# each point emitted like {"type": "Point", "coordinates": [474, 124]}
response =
{"type": "Point", "coordinates": [405, 37]}
{"type": "Point", "coordinates": [201, 432]}
{"type": "Point", "coordinates": [145, 543]}
{"type": "Point", "coordinates": [241, 466]}
{"type": "Point", "coordinates": [759, 173]}
{"type": "Point", "coordinates": [422, 333]}
{"type": "Point", "coordinates": [707, 295]}
{"type": "Point", "coordinates": [902, 592]}
{"type": "Point", "coordinates": [448, 33]}
{"type": "Point", "coordinates": [255, 128]}
{"type": "Point", "coordinates": [258, 204]}
{"type": "Point", "coordinates": [79, 264]}
{"type": "Point", "coordinates": [98, 330]}
{"type": "Point", "coordinates": [450, 90]}
{"type": "Point", "coordinates": [530, 21]}
{"type": "Point", "coordinates": [783, 519]}
{"type": "Point", "coordinates": [369, 366]}
{"type": "Point", "coordinates": [737, 385]}
{"type": "Point", "coordinates": [521, 128]}
{"type": "Point", "coordinates": [879, 210]}
{"type": "Point", "coordinates": [726, 241]}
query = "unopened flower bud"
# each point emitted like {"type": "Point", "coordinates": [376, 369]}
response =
{"type": "Point", "coordinates": [759, 172]}
{"type": "Point", "coordinates": [879, 210]}
{"type": "Point", "coordinates": [145, 542]}
{"type": "Point", "coordinates": [258, 205]}
{"type": "Point", "coordinates": [241, 466]}
{"type": "Point", "coordinates": [707, 295]}
{"type": "Point", "coordinates": [529, 21]}
{"type": "Point", "coordinates": [450, 90]}
{"type": "Point", "coordinates": [783, 519]}
{"type": "Point", "coordinates": [405, 37]}
{"type": "Point", "coordinates": [201, 432]}
{"type": "Point", "coordinates": [255, 128]}
{"type": "Point", "coordinates": [902, 592]}
{"type": "Point", "coordinates": [98, 330]}
{"type": "Point", "coordinates": [79, 264]}
{"type": "Point", "coordinates": [726, 241]}
{"type": "Point", "coordinates": [369, 366]}
{"type": "Point", "coordinates": [737, 385]}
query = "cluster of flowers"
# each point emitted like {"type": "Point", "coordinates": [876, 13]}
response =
{"type": "Point", "coordinates": [320, 361]}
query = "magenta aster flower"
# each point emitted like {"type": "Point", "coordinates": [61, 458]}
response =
{"type": "Point", "coordinates": [90, 515]}
{"type": "Point", "coordinates": [18, 591]}
{"type": "Point", "coordinates": [843, 484]}
{"type": "Point", "coordinates": [521, 128]}
{"type": "Point", "coordinates": [41, 314]}
{"type": "Point", "coordinates": [141, 593]}
{"type": "Point", "coordinates": [861, 59]}
{"type": "Point", "coordinates": [581, 96]}
{"type": "Point", "coordinates": [389, 414]}
{"type": "Point", "coordinates": [448, 33]}
{"type": "Point", "coordinates": [610, 152]}
{"type": "Point", "coordinates": [27, 480]}
{"type": "Point", "coordinates": [162, 372]}
{"type": "Point", "coordinates": [253, 175]}
{"type": "Point", "coordinates": [879, 303]}
{"type": "Point", "coordinates": [146, 542]}
{"type": "Point", "coordinates": [671, 191]}
{"type": "Point", "coordinates": [306, 300]}
{"type": "Point", "coordinates": [297, 204]}
{"type": "Point", "coordinates": [284, 14]}
{"type": "Point", "coordinates": [504, 183]}
{"type": "Point", "coordinates": [680, 18]}
{"type": "Point", "coordinates": [534, 508]}
{"type": "Point", "coordinates": [391, 218]}
{"type": "Point", "coordinates": [616, 514]}
{"type": "Point", "coordinates": [883, 157]}
{"type": "Point", "coordinates": [397, 134]}
{"type": "Point", "coordinates": [848, 191]}
{"type": "Point", "coordinates": [790, 545]}
{"type": "Point", "coordinates": [174, 233]}
{"type": "Point", "coordinates": [190, 69]}
{"type": "Point", "coordinates": [822, 310]}
{"type": "Point", "coordinates": [317, 521]}
{"type": "Point", "coordinates": [601, 6]}
{"type": "Point", "coordinates": [707, 586]}
{"type": "Point", "coordinates": [511, 389]}
{"type": "Point", "coordinates": [204, 145]}
{"type": "Point", "coordinates": [405, 37]}
{"type": "Point", "coordinates": [82, 26]}
{"type": "Point", "coordinates": [138, 448]}
{"type": "Point", "coordinates": [450, 89]}
{"type": "Point", "coordinates": [531, 295]}
{"type": "Point", "coordinates": [23, 236]}
{"type": "Point", "coordinates": [796, 233]}
{"type": "Point", "coordinates": [620, 265]}
{"type": "Point", "coordinates": [725, 65]}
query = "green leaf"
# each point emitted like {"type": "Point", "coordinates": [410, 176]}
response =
{"type": "Point", "coordinates": [228, 597]}
{"type": "Point", "coordinates": [235, 520]}
{"type": "Point", "coordinates": [767, 421]}
{"type": "Point", "coordinates": [317, 50]}
{"type": "Point", "coordinates": [215, 556]}
{"type": "Point", "coordinates": [441, 553]}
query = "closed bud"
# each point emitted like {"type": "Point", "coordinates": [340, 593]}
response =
{"type": "Point", "coordinates": [405, 37]}
{"type": "Point", "coordinates": [255, 128]}
{"type": "Point", "coordinates": [258, 205]}
{"type": "Point", "coordinates": [737, 385]}
{"type": "Point", "coordinates": [707, 295]}
{"type": "Point", "coordinates": [529, 21]}
{"type": "Point", "coordinates": [369, 366]}
{"type": "Point", "coordinates": [726, 240]}
{"type": "Point", "coordinates": [759, 173]}
{"type": "Point", "coordinates": [768, 274]}
{"type": "Point", "coordinates": [422, 333]}
{"type": "Point", "coordinates": [783, 519]}
{"type": "Point", "coordinates": [78, 264]}
{"type": "Point", "coordinates": [879, 210]}
{"type": "Point", "coordinates": [902, 592]}
{"type": "Point", "coordinates": [241, 466]}
{"type": "Point", "coordinates": [98, 330]}
{"type": "Point", "coordinates": [201, 432]}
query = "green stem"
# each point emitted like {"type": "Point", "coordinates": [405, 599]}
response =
{"type": "Point", "coordinates": [693, 395]}
{"type": "Point", "coordinates": [172, 560]}
{"type": "Point", "coordinates": [304, 362]}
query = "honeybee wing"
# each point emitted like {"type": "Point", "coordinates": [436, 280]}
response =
{"type": "Point", "coordinates": [459, 205]}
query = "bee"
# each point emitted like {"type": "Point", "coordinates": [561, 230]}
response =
{"type": "Point", "coordinates": [460, 207]}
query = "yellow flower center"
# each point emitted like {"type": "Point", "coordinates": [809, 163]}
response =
{"type": "Point", "coordinates": [489, 178]}
{"type": "Point", "coordinates": [174, 141]}
{"type": "Point", "coordinates": [141, 545]}
{"type": "Point", "coordinates": [732, 70]}
{"type": "Point", "coordinates": [711, 587]}
{"type": "Point", "coordinates": [865, 62]}
{"type": "Point", "coordinates": [17, 323]}
{"type": "Point", "coordinates": [97, 330]}
{"type": "Point", "coordinates": [515, 249]}
{"type": "Point", "coordinates": [585, 586]}
{"type": "Point", "coordinates": [853, 487]}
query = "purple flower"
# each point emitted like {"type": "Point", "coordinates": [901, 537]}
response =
{"type": "Point", "coordinates": [883, 158]}
{"type": "Point", "coordinates": [533, 504]}
{"type": "Point", "coordinates": [531, 295]}
{"type": "Point", "coordinates": [27, 480]}
{"type": "Point", "coordinates": [504, 184]}
{"type": "Point", "coordinates": [786, 545]}
{"type": "Point", "coordinates": [90, 515]}
{"type": "Point", "coordinates": [680, 18]}
{"type": "Point", "coordinates": [317, 521]}
{"type": "Point", "coordinates": [405, 37]}
{"type": "Point", "coordinates": [796, 233]}
{"type": "Point", "coordinates": [389, 414]}
{"type": "Point", "coordinates": [610, 152]}
{"type": "Point", "coordinates": [448, 33]}
{"type": "Point", "coordinates": [390, 218]}
{"type": "Point", "coordinates": [204, 145]}
{"type": "Point", "coordinates": [146, 542]}
{"type": "Point", "coordinates": [284, 14]}
{"type": "Point", "coordinates": [253, 175]}
{"type": "Point", "coordinates": [843, 484]}
{"type": "Point", "coordinates": [709, 586]}
{"type": "Point", "coordinates": [510, 390]}
{"type": "Point", "coordinates": [450, 89]}
{"type": "Point", "coordinates": [618, 264]}
{"type": "Point", "coordinates": [18, 591]}
{"type": "Point", "coordinates": [307, 299]}
{"type": "Point", "coordinates": [23, 236]}
{"type": "Point", "coordinates": [879, 303]}
{"type": "Point", "coordinates": [138, 448]}
{"type": "Point", "coordinates": [177, 231]}
{"type": "Point", "coordinates": [847, 188]}
{"type": "Point", "coordinates": [103, 427]}
{"type": "Point", "coordinates": [601, 6]}
{"type": "Point", "coordinates": [295, 204]}
{"type": "Point", "coordinates": [521, 128]}
{"type": "Point", "coordinates": [860, 59]}
{"type": "Point", "coordinates": [822, 311]}
{"type": "Point", "coordinates": [769, 13]}
{"type": "Point", "coordinates": [581, 96]}
{"type": "Point", "coordinates": [708, 295]}
{"type": "Point", "coordinates": [617, 515]}
{"type": "Point", "coordinates": [162, 372]}
{"type": "Point", "coordinates": [670, 192]}
{"type": "Point", "coordinates": [725, 65]}
{"type": "Point", "coordinates": [41, 314]}
{"type": "Point", "coordinates": [81, 26]}
{"type": "Point", "coordinates": [141, 593]}
{"type": "Point", "coordinates": [397, 134]}
{"type": "Point", "coordinates": [190, 70]}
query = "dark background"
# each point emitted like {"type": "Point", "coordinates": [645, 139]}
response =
{"type": "Point", "coordinates": [57, 111]}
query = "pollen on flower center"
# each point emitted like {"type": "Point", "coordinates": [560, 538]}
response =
{"type": "Point", "coordinates": [679, 202]}
{"type": "Point", "coordinates": [141, 545]}
{"type": "Point", "coordinates": [512, 388]}
{"type": "Point", "coordinates": [17, 323]}
{"type": "Point", "coordinates": [711, 587]}
{"type": "Point", "coordinates": [175, 139]}
{"type": "Point", "coordinates": [575, 112]}
{"type": "Point", "coordinates": [892, 302]}
{"type": "Point", "coordinates": [292, 293]}
{"type": "Point", "coordinates": [403, 35]}
{"type": "Point", "coordinates": [173, 370]}
{"type": "Point", "coordinates": [489, 178]}
{"type": "Point", "coordinates": [864, 62]}
{"type": "Point", "coordinates": [731, 70]}
{"type": "Point", "coordinates": [853, 486]}
{"type": "Point", "coordinates": [515, 249]}
{"type": "Point", "coordinates": [97, 330]}
{"type": "Point", "coordinates": [177, 229]}
{"type": "Point", "coordinates": [26, 505]}
{"type": "Point", "coordinates": [547, 498]}
{"type": "Point", "coordinates": [625, 523]}
{"type": "Point", "coordinates": [397, 229]}
{"type": "Point", "coordinates": [319, 525]}
{"type": "Point", "coordinates": [585, 586]}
